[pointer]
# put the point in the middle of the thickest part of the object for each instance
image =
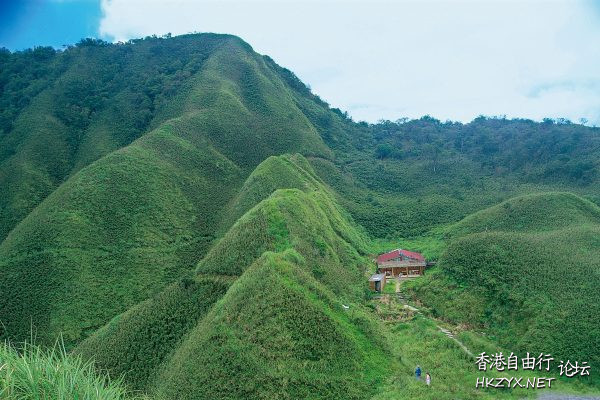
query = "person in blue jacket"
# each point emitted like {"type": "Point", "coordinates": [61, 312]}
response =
{"type": "Point", "coordinates": [418, 372]}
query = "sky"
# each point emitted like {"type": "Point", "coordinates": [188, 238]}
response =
{"type": "Point", "coordinates": [453, 60]}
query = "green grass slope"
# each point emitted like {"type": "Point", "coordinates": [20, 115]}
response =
{"type": "Point", "coordinates": [309, 222]}
{"type": "Point", "coordinates": [123, 227]}
{"type": "Point", "coordinates": [277, 333]}
{"type": "Point", "coordinates": [116, 232]}
{"type": "Point", "coordinates": [533, 287]}
{"type": "Point", "coordinates": [136, 343]}
{"type": "Point", "coordinates": [294, 250]}
{"type": "Point", "coordinates": [276, 172]}
{"type": "Point", "coordinates": [531, 213]}
{"type": "Point", "coordinates": [63, 110]}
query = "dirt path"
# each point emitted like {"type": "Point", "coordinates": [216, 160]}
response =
{"type": "Point", "coordinates": [445, 331]}
{"type": "Point", "coordinates": [449, 334]}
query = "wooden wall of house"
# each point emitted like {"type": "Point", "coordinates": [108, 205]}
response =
{"type": "Point", "coordinates": [404, 270]}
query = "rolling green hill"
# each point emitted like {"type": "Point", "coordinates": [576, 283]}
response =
{"type": "Point", "coordinates": [531, 213]}
{"type": "Point", "coordinates": [525, 270]}
{"type": "Point", "coordinates": [291, 338]}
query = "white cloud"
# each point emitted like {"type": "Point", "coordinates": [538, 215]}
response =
{"type": "Point", "coordinates": [452, 60]}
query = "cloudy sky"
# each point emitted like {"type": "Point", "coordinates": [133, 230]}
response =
{"type": "Point", "coordinates": [377, 60]}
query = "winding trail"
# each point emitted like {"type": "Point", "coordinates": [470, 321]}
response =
{"type": "Point", "coordinates": [445, 331]}
{"type": "Point", "coordinates": [449, 334]}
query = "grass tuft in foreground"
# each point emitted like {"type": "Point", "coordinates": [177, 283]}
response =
{"type": "Point", "coordinates": [34, 373]}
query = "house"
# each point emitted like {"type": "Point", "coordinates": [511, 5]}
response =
{"type": "Point", "coordinates": [377, 282]}
{"type": "Point", "coordinates": [401, 262]}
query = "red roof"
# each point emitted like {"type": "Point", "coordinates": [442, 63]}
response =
{"type": "Point", "coordinates": [397, 253]}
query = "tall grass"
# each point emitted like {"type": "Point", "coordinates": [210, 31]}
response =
{"type": "Point", "coordinates": [31, 372]}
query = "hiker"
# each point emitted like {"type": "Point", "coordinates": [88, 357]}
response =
{"type": "Point", "coordinates": [418, 373]}
{"type": "Point", "coordinates": [428, 379]}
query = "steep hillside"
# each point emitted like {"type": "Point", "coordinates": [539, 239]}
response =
{"type": "Point", "coordinates": [277, 333]}
{"type": "Point", "coordinates": [62, 110]}
{"type": "Point", "coordinates": [186, 212]}
{"type": "Point", "coordinates": [279, 330]}
{"type": "Point", "coordinates": [526, 270]}
{"type": "Point", "coordinates": [136, 343]}
{"type": "Point", "coordinates": [276, 172]}
{"type": "Point", "coordinates": [124, 226]}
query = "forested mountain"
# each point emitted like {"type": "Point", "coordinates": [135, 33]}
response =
{"type": "Point", "coordinates": [176, 202]}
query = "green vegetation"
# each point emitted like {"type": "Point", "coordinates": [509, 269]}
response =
{"type": "Point", "coordinates": [525, 270]}
{"type": "Point", "coordinates": [278, 333]}
{"type": "Point", "coordinates": [33, 373]}
{"type": "Point", "coordinates": [276, 172]}
{"type": "Point", "coordinates": [294, 259]}
{"type": "Point", "coordinates": [188, 214]}
{"type": "Point", "coordinates": [531, 213]}
{"type": "Point", "coordinates": [438, 173]}
{"type": "Point", "coordinates": [431, 244]}
{"type": "Point", "coordinates": [416, 340]}
{"type": "Point", "coordinates": [390, 287]}
{"type": "Point", "coordinates": [140, 216]}
{"type": "Point", "coordinates": [309, 222]}
{"type": "Point", "coordinates": [137, 342]}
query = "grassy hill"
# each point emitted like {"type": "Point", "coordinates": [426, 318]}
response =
{"type": "Point", "coordinates": [136, 343]}
{"type": "Point", "coordinates": [531, 213]}
{"type": "Point", "coordinates": [280, 329]}
{"type": "Point", "coordinates": [525, 270]}
{"type": "Point", "coordinates": [277, 333]}
{"type": "Point", "coordinates": [123, 227]}
{"type": "Point", "coordinates": [276, 172]}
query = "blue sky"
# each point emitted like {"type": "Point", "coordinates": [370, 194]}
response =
{"type": "Point", "coordinates": [378, 59]}
{"type": "Point", "coordinates": [25, 24]}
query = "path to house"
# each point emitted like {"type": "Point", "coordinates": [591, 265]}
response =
{"type": "Point", "coordinates": [541, 396]}
{"type": "Point", "coordinates": [445, 331]}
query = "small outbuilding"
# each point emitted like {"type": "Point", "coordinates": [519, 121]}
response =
{"type": "Point", "coordinates": [377, 282]}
